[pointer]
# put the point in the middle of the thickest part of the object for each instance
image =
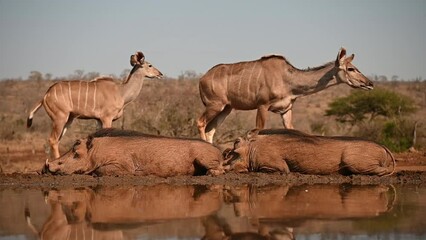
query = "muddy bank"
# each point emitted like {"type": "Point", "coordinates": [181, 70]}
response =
{"type": "Point", "coordinates": [258, 179]}
{"type": "Point", "coordinates": [18, 169]}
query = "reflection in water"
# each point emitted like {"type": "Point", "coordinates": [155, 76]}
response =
{"type": "Point", "coordinates": [214, 212]}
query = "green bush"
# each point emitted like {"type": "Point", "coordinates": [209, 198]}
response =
{"type": "Point", "coordinates": [378, 115]}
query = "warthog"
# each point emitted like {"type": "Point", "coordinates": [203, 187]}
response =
{"type": "Point", "coordinates": [111, 212]}
{"type": "Point", "coordinates": [111, 151]}
{"type": "Point", "coordinates": [285, 150]}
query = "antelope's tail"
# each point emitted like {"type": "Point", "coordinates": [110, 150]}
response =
{"type": "Point", "coordinates": [30, 117]}
{"type": "Point", "coordinates": [28, 220]}
{"type": "Point", "coordinates": [393, 161]}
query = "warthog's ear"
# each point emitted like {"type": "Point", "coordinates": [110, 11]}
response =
{"type": "Point", "coordinates": [340, 56]}
{"type": "Point", "coordinates": [252, 133]}
{"type": "Point", "coordinates": [137, 58]}
{"type": "Point", "coordinates": [77, 143]}
{"type": "Point", "coordinates": [237, 143]}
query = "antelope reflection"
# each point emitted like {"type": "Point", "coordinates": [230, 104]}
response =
{"type": "Point", "coordinates": [103, 213]}
{"type": "Point", "coordinates": [207, 212]}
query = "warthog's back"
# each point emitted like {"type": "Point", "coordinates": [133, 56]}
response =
{"type": "Point", "coordinates": [319, 154]}
{"type": "Point", "coordinates": [161, 156]}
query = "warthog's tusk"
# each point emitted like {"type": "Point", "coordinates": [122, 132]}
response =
{"type": "Point", "coordinates": [47, 161]}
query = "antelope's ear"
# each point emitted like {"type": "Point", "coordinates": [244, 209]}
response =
{"type": "Point", "coordinates": [137, 58]}
{"type": "Point", "coordinates": [140, 56]}
{"type": "Point", "coordinates": [340, 56]}
{"type": "Point", "coordinates": [349, 59]}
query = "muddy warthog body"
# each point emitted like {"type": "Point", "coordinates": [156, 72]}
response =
{"type": "Point", "coordinates": [111, 151]}
{"type": "Point", "coordinates": [111, 212]}
{"type": "Point", "coordinates": [285, 150]}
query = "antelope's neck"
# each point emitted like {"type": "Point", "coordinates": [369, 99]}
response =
{"type": "Point", "coordinates": [306, 82]}
{"type": "Point", "coordinates": [132, 87]}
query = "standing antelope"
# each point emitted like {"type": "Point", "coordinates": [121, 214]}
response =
{"type": "Point", "coordinates": [102, 99]}
{"type": "Point", "coordinates": [268, 84]}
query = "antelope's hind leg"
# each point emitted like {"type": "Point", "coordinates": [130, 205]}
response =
{"type": "Point", "coordinates": [58, 127]}
{"type": "Point", "coordinates": [211, 118]}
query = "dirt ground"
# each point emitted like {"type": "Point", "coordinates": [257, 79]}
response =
{"type": "Point", "coordinates": [20, 169]}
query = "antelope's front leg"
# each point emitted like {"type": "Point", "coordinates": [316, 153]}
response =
{"type": "Point", "coordinates": [287, 119]}
{"type": "Point", "coordinates": [262, 114]}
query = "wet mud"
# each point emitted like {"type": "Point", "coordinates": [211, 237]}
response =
{"type": "Point", "coordinates": [22, 171]}
{"type": "Point", "coordinates": [17, 180]}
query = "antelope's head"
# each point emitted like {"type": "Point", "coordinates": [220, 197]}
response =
{"type": "Point", "coordinates": [138, 59]}
{"type": "Point", "coordinates": [349, 74]}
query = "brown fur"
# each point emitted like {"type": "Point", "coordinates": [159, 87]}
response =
{"type": "Point", "coordinates": [119, 152]}
{"type": "Point", "coordinates": [339, 201]}
{"type": "Point", "coordinates": [268, 84]}
{"type": "Point", "coordinates": [101, 98]}
{"type": "Point", "coordinates": [103, 213]}
{"type": "Point", "coordinates": [285, 151]}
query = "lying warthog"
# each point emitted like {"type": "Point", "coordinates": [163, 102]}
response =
{"type": "Point", "coordinates": [285, 150]}
{"type": "Point", "coordinates": [111, 151]}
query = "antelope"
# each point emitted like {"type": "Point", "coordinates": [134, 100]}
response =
{"type": "Point", "coordinates": [102, 99]}
{"type": "Point", "coordinates": [270, 83]}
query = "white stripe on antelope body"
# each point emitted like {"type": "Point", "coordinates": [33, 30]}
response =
{"type": "Point", "coordinates": [268, 84]}
{"type": "Point", "coordinates": [103, 98]}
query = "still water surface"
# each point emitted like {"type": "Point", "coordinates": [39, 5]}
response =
{"type": "Point", "coordinates": [215, 212]}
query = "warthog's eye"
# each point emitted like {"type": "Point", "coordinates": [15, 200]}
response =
{"type": "Point", "coordinates": [76, 155]}
{"type": "Point", "coordinates": [149, 65]}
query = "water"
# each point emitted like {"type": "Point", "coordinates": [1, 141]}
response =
{"type": "Point", "coordinates": [213, 212]}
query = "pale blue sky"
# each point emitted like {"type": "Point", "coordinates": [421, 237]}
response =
{"type": "Point", "coordinates": [388, 37]}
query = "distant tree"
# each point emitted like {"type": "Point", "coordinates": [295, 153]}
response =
{"type": "Point", "coordinates": [91, 75]}
{"type": "Point", "coordinates": [363, 105]}
{"type": "Point", "coordinates": [395, 78]}
{"type": "Point", "coordinates": [78, 74]}
{"type": "Point", "coordinates": [383, 78]}
{"type": "Point", "coordinates": [380, 115]}
{"type": "Point", "coordinates": [35, 75]}
{"type": "Point", "coordinates": [188, 75]}
{"type": "Point", "coordinates": [48, 76]}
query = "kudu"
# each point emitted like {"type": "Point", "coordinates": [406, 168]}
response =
{"type": "Point", "coordinates": [270, 83]}
{"type": "Point", "coordinates": [102, 99]}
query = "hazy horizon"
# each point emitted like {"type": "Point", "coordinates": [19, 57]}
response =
{"type": "Point", "coordinates": [60, 37]}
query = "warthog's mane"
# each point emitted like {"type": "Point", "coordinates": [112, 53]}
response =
{"type": "Point", "coordinates": [112, 132]}
{"type": "Point", "coordinates": [305, 136]}
{"type": "Point", "coordinates": [289, 133]}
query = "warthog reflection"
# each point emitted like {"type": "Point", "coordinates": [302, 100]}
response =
{"type": "Point", "coordinates": [271, 212]}
{"type": "Point", "coordinates": [213, 212]}
{"type": "Point", "coordinates": [105, 212]}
